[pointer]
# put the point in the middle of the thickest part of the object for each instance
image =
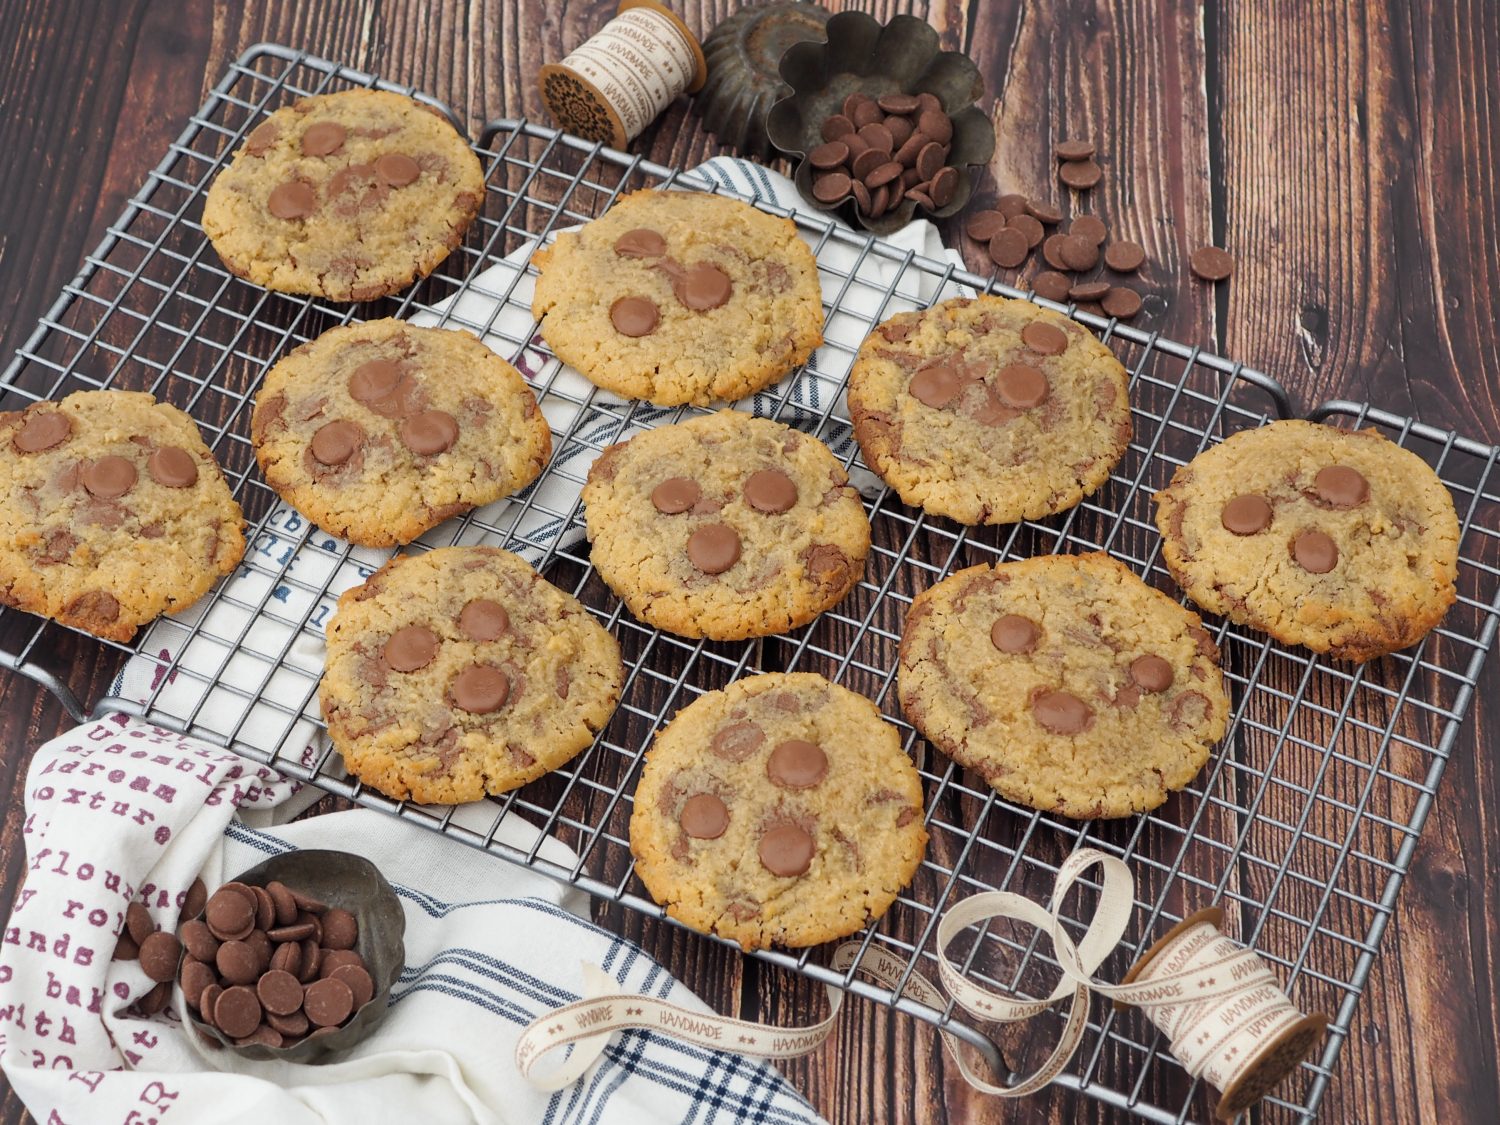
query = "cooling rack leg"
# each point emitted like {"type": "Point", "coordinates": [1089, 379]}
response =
{"type": "Point", "coordinates": [63, 693]}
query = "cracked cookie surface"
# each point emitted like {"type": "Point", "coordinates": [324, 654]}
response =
{"type": "Point", "coordinates": [461, 672]}
{"type": "Point", "coordinates": [988, 410]}
{"type": "Point", "coordinates": [725, 526]}
{"type": "Point", "coordinates": [378, 431]}
{"type": "Point", "coordinates": [779, 810]}
{"type": "Point", "coordinates": [680, 297]}
{"type": "Point", "coordinates": [112, 511]}
{"type": "Point", "coordinates": [1065, 682]}
{"type": "Point", "coordinates": [1338, 540]}
{"type": "Point", "coordinates": [349, 196]}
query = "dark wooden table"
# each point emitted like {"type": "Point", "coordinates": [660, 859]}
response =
{"type": "Point", "coordinates": [1345, 153]}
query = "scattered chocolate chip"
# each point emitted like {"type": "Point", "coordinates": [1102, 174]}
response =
{"type": "Point", "coordinates": [1052, 251]}
{"type": "Point", "coordinates": [335, 442]}
{"type": "Point", "coordinates": [327, 1003]}
{"type": "Point", "coordinates": [1246, 514]}
{"type": "Point", "coordinates": [41, 430]}
{"type": "Point", "coordinates": [1029, 227]}
{"type": "Point", "coordinates": [1014, 634]}
{"type": "Point", "coordinates": [1341, 487]}
{"type": "Point", "coordinates": [1012, 205]}
{"type": "Point", "coordinates": [159, 955]}
{"type": "Point", "coordinates": [786, 850]}
{"type": "Point", "coordinates": [172, 467]}
{"type": "Point", "coordinates": [138, 922]}
{"type": "Point", "coordinates": [675, 495]}
{"type": "Point", "coordinates": [1078, 254]}
{"type": "Point", "coordinates": [340, 929]}
{"type": "Point", "coordinates": [1080, 175]}
{"type": "Point", "coordinates": [156, 1000]}
{"type": "Point", "coordinates": [1151, 673]}
{"type": "Point", "coordinates": [1021, 386]}
{"type": "Point", "coordinates": [770, 490]}
{"type": "Point", "coordinates": [830, 187]}
{"type": "Point", "coordinates": [1074, 150]}
{"type": "Point", "coordinates": [480, 689]}
{"type": "Point", "coordinates": [410, 648]}
{"type": "Point", "coordinates": [1048, 213]}
{"type": "Point", "coordinates": [797, 764]}
{"type": "Point", "coordinates": [1211, 263]}
{"type": "Point", "coordinates": [642, 242]}
{"type": "Point", "coordinates": [1044, 338]}
{"type": "Point", "coordinates": [483, 620]}
{"type": "Point", "coordinates": [1051, 285]}
{"type": "Point", "coordinates": [109, 477]}
{"type": "Point", "coordinates": [1121, 303]}
{"type": "Point", "coordinates": [397, 169]}
{"type": "Point", "coordinates": [429, 433]}
{"type": "Point", "coordinates": [737, 741]}
{"type": "Point", "coordinates": [705, 286]}
{"type": "Point", "coordinates": [935, 386]}
{"type": "Point", "coordinates": [704, 817]}
{"type": "Point", "coordinates": [1090, 228]}
{"type": "Point", "coordinates": [1124, 257]}
{"type": "Point", "coordinates": [1089, 291]}
{"type": "Point", "coordinates": [634, 316]}
{"type": "Point", "coordinates": [1314, 551]}
{"type": "Point", "coordinates": [323, 138]}
{"type": "Point", "coordinates": [714, 548]}
{"type": "Point", "coordinates": [1062, 712]}
{"type": "Point", "coordinates": [984, 225]}
{"type": "Point", "coordinates": [293, 200]}
{"type": "Point", "coordinates": [1008, 248]}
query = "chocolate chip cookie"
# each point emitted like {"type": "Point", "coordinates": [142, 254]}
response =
{"type": "Point", "coordinates": [1340, 541]}
{"type": "Point", "coordinates": [112, 511]}
{"type": "Point", "coordinates": [349, 196]}
{"type": "Point", "coordinates": [1065, 682]}
{"type": "Point", "coordinates": [676, 296]}
{"type": "Point", "coordinates": [987, 410]}
{"type": "Point", "coordinates": [461, 672]}
{"type": "Point", "coordinates": [379, 431]}
{"type": "Point", "coordinates": [781, 809]}
{"type": "Point", "coordinates": [725, 526]}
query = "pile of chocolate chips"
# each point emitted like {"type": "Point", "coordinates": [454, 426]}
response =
{"type": "Point", "coordinates": [1016, 226]}
{"type": "Point", "coordinates": [885, 150]}
{"type": "Point", "coordinates": [157, 950]}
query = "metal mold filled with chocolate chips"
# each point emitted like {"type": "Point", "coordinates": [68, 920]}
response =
{"type": "Point", "coordinates": [294, 959]}
{"type": "Point", "coordinates": [882, 121]}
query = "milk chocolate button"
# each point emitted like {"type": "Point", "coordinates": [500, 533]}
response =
{"type": "Point", "coordinates": [796, 764]}
{"type": "Point", "coordinates": [282, 902]}
{"type": "Point", "coordinates": [196, 976]}
{"type": "Point", "coordinates": [737, 741]}
{"type": "Point", "coordinates": [138, 922]}
{"type": "Point", "coordinates": [770, 490]}
{"type": "Point", "coordinates": [279, 992]}
{"type": "Point", "coordinates": [262, 137]}
{"type": "Point", "coordinates": [704, 817]}
{"type": "Point", "coordinates": [374, 380]}
{"type": "Point", "coordinates": [704, 287]}
{"type": "Point", "coordinates": [109, 477]}
{"type": "Point", "coordinates": [397, 169]}
{"type": "Point", "coordinates": [159, 953]}
{"type": "Point", "coordinates": [1151, 673]}
{"type": "Point", "coordinates": [643, 242]}
{"type": "Point", "coordinates": [714, 549]}
{"type": "Point", "coordinates": [238, 963]}
{"type": "Point", "coordinates": [1044, 338]}
{"type": "Point", "coordinates": [675, 495]}
{"type": "Point", "coordinates": [42, 431]}
{"type": "Point", "coordinates": [172, 467]}
{"type": "Point", "coordinates": [323, 138]}
{"type": "Point", "coordinates": [340, 929]}
{"type": "Point", "coordinates": [480, 689]}
{"type": "Point", "coordinates": [1062, 712]}
{"type": "Point", "coordinates": [1014, 634]}
{"type": "Point", "coordinates": [1021, 385]}
{"type": "Point", "coordinates": [229, 913]}
{"type": "Point", "coordinates": [201, 944]}
{"type": "Point", "coordinates": [634, 316]}
{"type": "Point", "coordinates": [935, 386]}
{"type": "Point", "coordinates": [1246, 514]}
{"type": "Point", "coordinates": [335, 442]}
{"type": "Point", "coordinates": [1341, 486]}
{"type": "Point", "coordinates": [483, 620]}
{"type": "Point", "coordinates": [1315, 552]}
{"type": "Point", "coordinates": [786, 850]}
{"type": "Point", "coordinates": [1211, 263]}
{"type": "Point", "coordinates": [327, 1002]}
{"type": "Point", "coordinates": [410, 648]}
{"type": "Point", "coordinates": [292, 200]}
{"type": "Point", "coordinates": [359, 981]}
{"type": "Point", "coordinates": [237, 1011]}
{"type": "Point", "coordinates": [430, 432]}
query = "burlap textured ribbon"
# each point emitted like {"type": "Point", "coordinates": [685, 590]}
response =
{"type": "Point", "coordinates": [1219, 1003]}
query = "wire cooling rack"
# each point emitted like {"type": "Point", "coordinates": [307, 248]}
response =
{"type": "Point", "coordinates": [1302, 824]}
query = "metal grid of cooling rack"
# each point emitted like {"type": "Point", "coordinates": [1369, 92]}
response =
{"type": "Point", "coordinates": [1302, 825]}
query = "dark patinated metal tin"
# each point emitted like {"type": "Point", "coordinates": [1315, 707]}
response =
{"type": "Point", "coordinates": [902, 56]}
{"type": "Point", "coordinates": [355, 884]}
{"type": "Point", "coordinates": [744, 80]}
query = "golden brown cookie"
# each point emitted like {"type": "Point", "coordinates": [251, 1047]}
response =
{"type": "Point", "coordinates": [779, 810]}
{"type": "Point", "coordinates": [1065, 682]}
{"type": "Point", "coordinates": [1341, 541]}
{"type": "Point", "coordinates": [461, 672]}
{"type": "Point", "coordinates": [349, 196]}
{"type": "Point", "coordinates": [988, 410]}
{"type": "Point", "coordinates": [677, 296]}
{"type": "Point", "coordinates": [378, 431]}
{"type": "Point", "coordinates": [112, 511]}
{"type": "Point", "coordinates": [725, 526]}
